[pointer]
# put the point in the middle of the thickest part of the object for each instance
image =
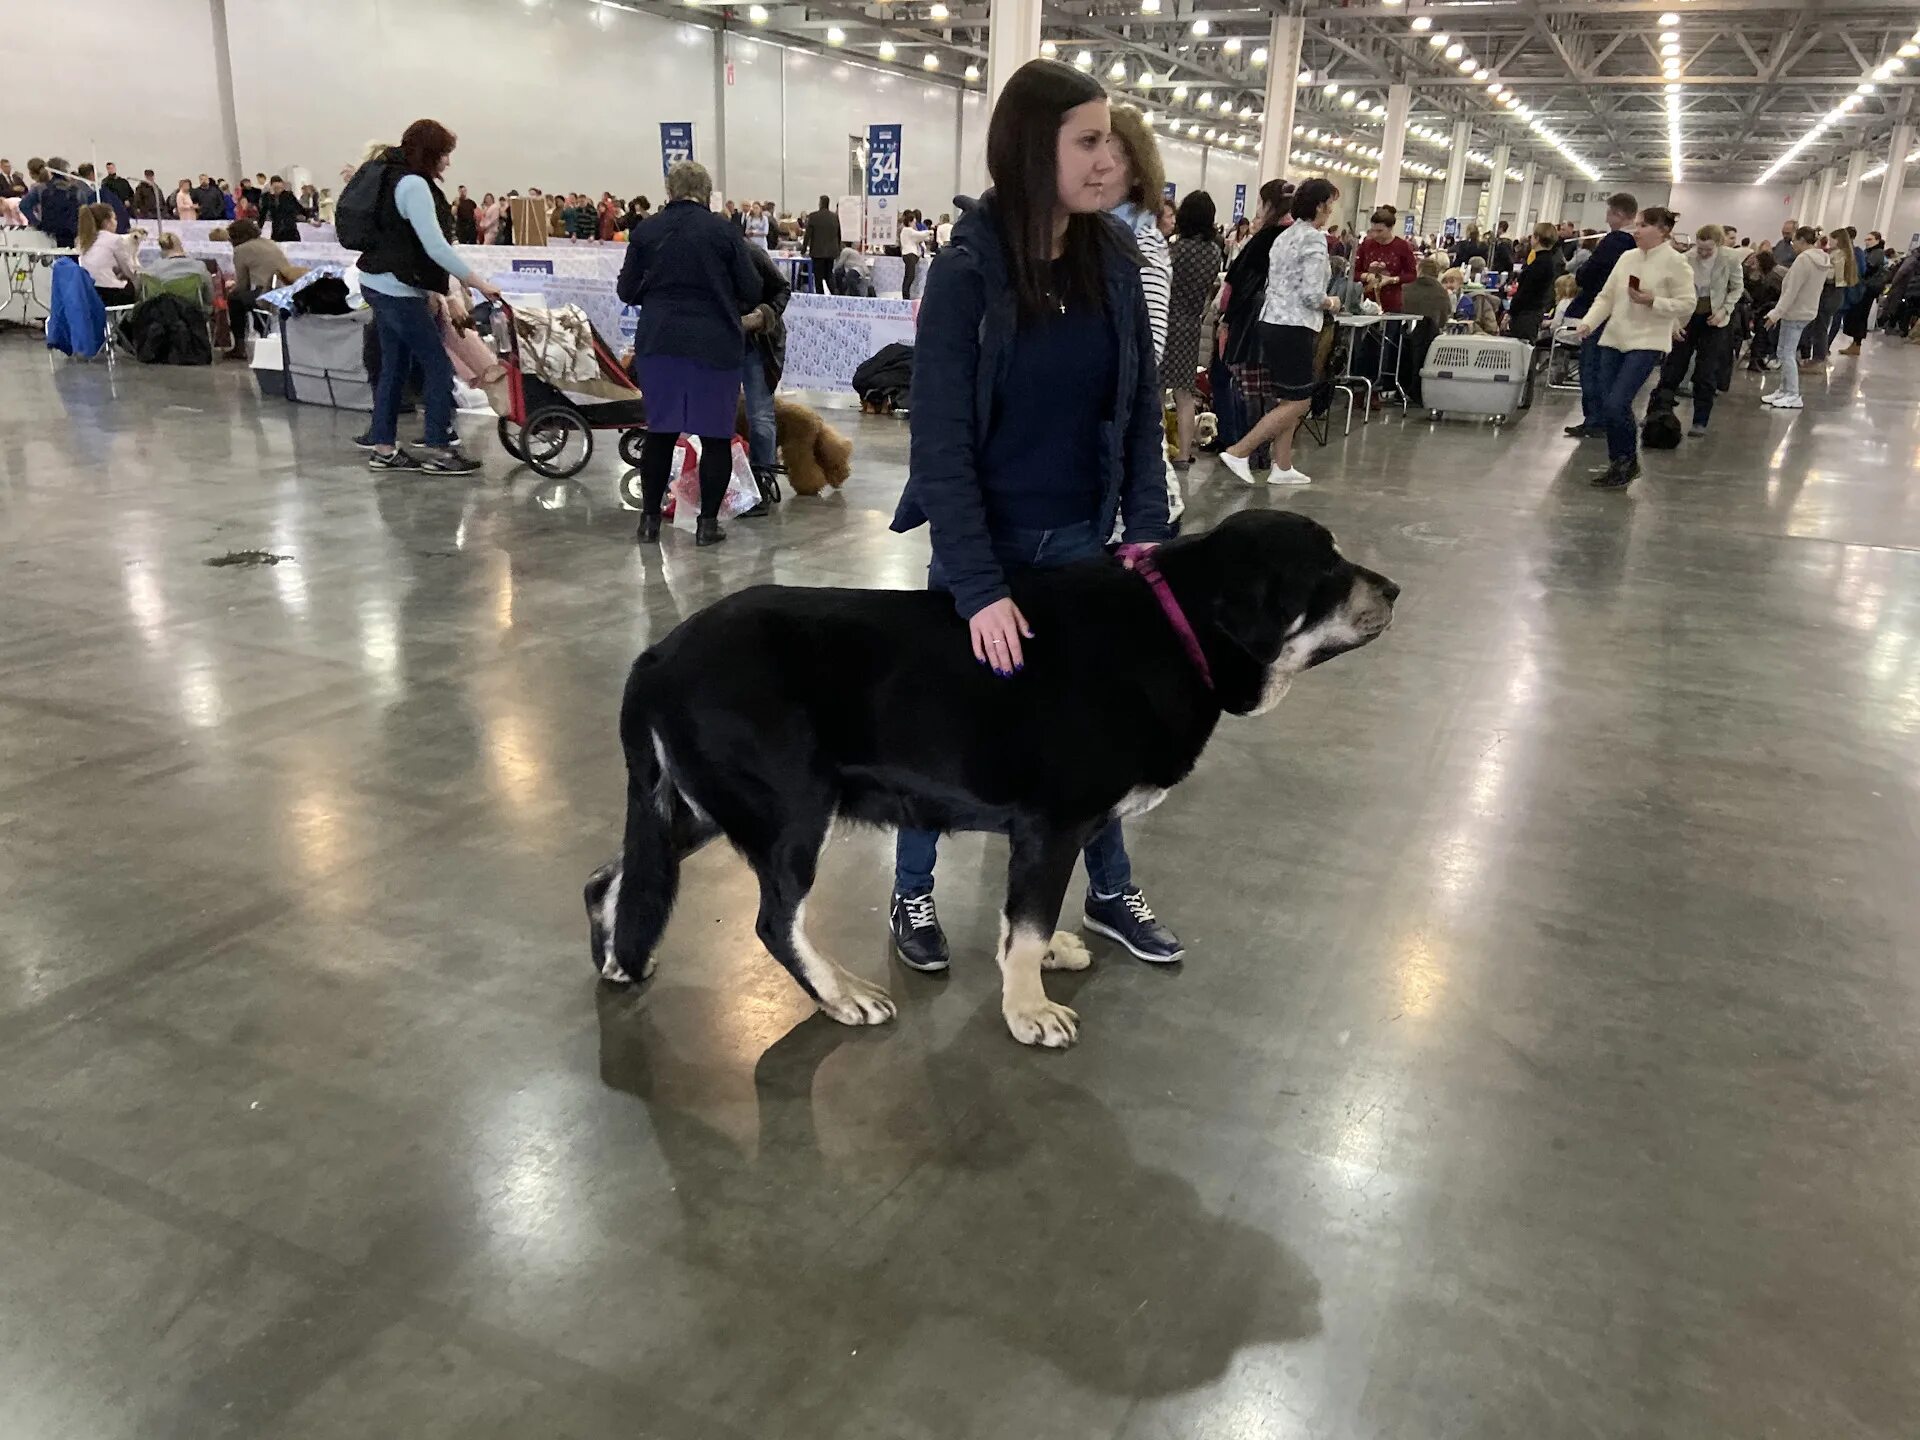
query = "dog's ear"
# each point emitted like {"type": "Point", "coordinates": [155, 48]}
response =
{"type": "Point", "coordinates": [1254, 616]}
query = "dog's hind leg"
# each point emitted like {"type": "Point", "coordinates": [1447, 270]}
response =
{"type": "Point", "coordinates": [1038, 870]}
{"type": "Point", "coordinates": [786, 869]}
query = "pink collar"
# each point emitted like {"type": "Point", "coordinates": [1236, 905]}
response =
{"type": "Point", "coordinates": [1139, 559]}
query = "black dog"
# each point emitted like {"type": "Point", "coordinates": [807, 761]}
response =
{"type": "Point", "coordinates": [776, 710]}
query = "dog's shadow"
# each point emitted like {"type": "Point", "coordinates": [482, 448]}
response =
{"type": "Point", "coordinates": [1022, 1215]}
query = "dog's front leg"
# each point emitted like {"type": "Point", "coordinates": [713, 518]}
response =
{"type": "Point", "coordinates": [1038, 869]}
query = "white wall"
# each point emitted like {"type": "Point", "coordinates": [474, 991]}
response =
{"type": "Point", "coordinates": [160, 113]}
{"type": "Point", "coordinates": [555, 95]}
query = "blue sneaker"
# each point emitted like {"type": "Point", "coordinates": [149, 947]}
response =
{"type": "Point", "coordinates": [1128, 918]}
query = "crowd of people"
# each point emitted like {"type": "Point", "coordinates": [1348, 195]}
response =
{"type": "Point", "coordinates": [1237, 315]}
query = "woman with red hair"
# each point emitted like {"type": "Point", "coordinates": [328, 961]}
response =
{"type": "Point", "coordinates": [404, 275]}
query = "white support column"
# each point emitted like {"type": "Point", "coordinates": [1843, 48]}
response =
{"type": "Point", "coordinates": [1456, 173]}
{"type": "Point", "coordinates": [1822, 194]}
{"type": "Point", "coordinates": [1283, 79]}
{"type": "Point", "coordinates": [1497, 187]}
{"type": "Point", "coordinates": [1850, 192]}
{"type": "Point", "coordinates": [1891, 182]}
{"type": "Point", "coordinates": [223, 86]}
{"type": "Point", "coordinates": [1523, 212]}
{"type": "Point", "coordinates": [1393, 146]}
{"type": "Point", "coordinates": [717, 150]}
{"type": "Point", "coordinates": [1549, 203]}
{"type": "Point", "coordinates": [1013, 38]}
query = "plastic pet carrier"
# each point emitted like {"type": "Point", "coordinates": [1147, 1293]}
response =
{"type": "Point", "coordinates": [1476, 375]}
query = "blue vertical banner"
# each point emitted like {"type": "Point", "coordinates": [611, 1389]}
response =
{"type": "Point", "coordinates": [1406, 224]}
{"type": "Point", "coordinates": [676, 143]}
{"type": "Point", "coordinates": [1167, 194]}
{"type": "Point", "coordinates": [1451, 229]}
{"type": "Point", "coordinates": [883, 186]}
{"type": "Point", "coordinates": [1239, 203]}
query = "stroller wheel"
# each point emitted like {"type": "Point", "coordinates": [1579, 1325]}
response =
{"type": "Point", "coordinates": [630, 488]}
{"type": "Point", "coordinates": [514, 441]}
{"type": "Point", "coordinates": [631, 442]}
{"type": "Point", "coordinates": [510, 439]}
{"type": "Point", "coordinates": [558, 441]}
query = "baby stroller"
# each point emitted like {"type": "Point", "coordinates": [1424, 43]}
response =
{"type": "Point", "coordinates": [547, 427]}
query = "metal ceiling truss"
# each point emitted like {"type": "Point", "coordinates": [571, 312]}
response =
{"type": "Point", "coordinates": [1755, 76]}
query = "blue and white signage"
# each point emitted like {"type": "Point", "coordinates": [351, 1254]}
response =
{"type": "Point", "coordinates": [883, 160]}
{"type": "Point", "coordinates": [1452, 228]}
{"type": "Point", "coordinates": [883, 187]}
{"type": "Point", "coordinates": [1167, 194]}
{"type": "Point", "coordinates": [1239, 203]}
{"type": "Point", "coordinates": [676, 143]}
{"type": "Point", "coordinates": [1406, 224]}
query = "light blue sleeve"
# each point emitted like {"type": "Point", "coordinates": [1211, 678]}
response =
{"type": "Point", "coordinates": [414, 201]}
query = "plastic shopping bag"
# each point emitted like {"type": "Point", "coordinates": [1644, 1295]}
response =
{"type": "Point", "coordinates": [682, 505]}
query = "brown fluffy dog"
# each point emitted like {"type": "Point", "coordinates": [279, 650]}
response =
{"type": "Point", "coordinates": [815, 454]}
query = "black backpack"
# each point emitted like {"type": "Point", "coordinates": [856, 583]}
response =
{"type": "Point", "coordinates": [356, 215]}
{"type": "Point", "coordinates": [60, 211]}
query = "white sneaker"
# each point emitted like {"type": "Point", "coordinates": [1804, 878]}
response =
{"type": "Point", "coordinates": [1786, 402]}
{"type": "Point", "coordinates": [1289, 476]}
{"type": "Point", "coordinates": [1242, 468]}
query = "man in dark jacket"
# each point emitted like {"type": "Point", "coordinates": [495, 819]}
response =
{"type": "Point", "coordinates": [822, 240]}
{"type": "Point", "coordinates": [1589, 280]}
{"type": "Point", "coordinates": [766, 358]}
{"type": "Point", "coordinates": [208, 201]}
{"type": "Point", "coordinates": [282, 209]}
{"type": "Point", "coordinates": [147, 198]}
{"type": "Point", "coordinates": [1503, 257]}
{"type": "Point", "coordinates": [92, 189]}
{"type": "Point", "coordinates": [118, 185]}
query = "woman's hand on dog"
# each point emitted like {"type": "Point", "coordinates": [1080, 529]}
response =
{"type": "Point", "coordinates": [997, 632]}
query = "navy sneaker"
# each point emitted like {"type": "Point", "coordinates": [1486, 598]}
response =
{"type": "Point", "coordinates": [1128, 918]}
{"type": "Point", "coordinates": [917, 937]}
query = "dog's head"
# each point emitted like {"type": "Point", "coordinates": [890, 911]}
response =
{"type": "Point", "coordinates": [1287, 599]}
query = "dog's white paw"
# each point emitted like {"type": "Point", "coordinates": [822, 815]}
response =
{"type": "Point", "coordinates": [1043, 1023]}
{"type": "Point", "coordinates": [1066, 952]}
{"type": "Point", "coordinates": [614, 973]}
{"type": "Point", "coordinates": [860, 1002]}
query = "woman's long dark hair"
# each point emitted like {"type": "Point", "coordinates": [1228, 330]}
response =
{"type": "Point", "coordinates": [1023, 157]}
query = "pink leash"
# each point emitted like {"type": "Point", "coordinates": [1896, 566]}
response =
{"type": "Point", "coordinates": [1139, 559]}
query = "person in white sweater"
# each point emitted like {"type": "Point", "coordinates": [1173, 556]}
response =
{"type": "Point", "coordinates": [1798, 305]}
{"type": "Point", "coordinates": [1647, 296]}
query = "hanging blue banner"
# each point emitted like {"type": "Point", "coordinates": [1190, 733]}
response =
{"type": "Point", "coordinates": [1167, 194]}
{"type": "Point", "coordinates": [1452, 227]}
{"type": "Point", "coordinates": [1239, 203]}
{"type": "Point", "coordinates": [676, 143]}
{"type": "Point", "coordinates": [1406, 224]}
{"type": "Point", "coordinates": [883, 160]}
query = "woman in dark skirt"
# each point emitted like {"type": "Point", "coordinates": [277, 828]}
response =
{"type": "Point", "coordinates": [689, 272]}
{"type": "Point", "coordinates": [1197, 262]}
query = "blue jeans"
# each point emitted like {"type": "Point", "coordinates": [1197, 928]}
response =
{"type": "Point", "coordinates": [761, 436]}
{"type": "Point", "coordinates": [1621, 375]}
{"type": "Point", "coordinates": [1789, 352]}
{"type": "Point", "coordinates": [408, 334]}
{"type": "Point", "coordinates": [1108, 869]}
{"type": "Point", "coordinates": [1590, 391]}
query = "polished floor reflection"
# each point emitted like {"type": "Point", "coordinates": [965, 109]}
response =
{"type": "Point", "coordinates": [1543, 1064]}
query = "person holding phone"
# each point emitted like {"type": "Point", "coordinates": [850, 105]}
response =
{"type": "Point", "coordinates": [1648, 294]}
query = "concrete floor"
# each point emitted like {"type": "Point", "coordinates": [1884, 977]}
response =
{"type": "Point", "coordinates": [1543, 1064]}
